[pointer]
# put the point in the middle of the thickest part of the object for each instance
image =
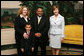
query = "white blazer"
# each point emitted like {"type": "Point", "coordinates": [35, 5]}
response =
{"type": "Point", "coordinates": [57, 25]}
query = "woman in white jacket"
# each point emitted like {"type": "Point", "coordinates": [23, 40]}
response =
{"type": "Point", "coordinates": [56, 31]}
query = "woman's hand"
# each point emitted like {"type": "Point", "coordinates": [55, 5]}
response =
{"type": "Point", "coordinates": [25, 35]}
{"type": "Point", "coordinates": [62, 39]}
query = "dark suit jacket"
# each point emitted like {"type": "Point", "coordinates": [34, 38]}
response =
{"type": "Point", "coordinates": [25, 43]}
{"type": "Point", "coordinates": [19, 26]}
{"type": "Point", "coordinates": [42, 28]}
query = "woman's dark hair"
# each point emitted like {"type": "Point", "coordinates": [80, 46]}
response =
{"type": "Point", "coordinates": [54, 7]}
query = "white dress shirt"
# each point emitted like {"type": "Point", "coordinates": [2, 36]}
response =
{"type": "Point", "coordinates": [24, 17]}
{"type": "Point", "coordinates": [57, 25]}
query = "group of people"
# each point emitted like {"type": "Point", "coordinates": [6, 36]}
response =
{"type": "Point", "coordinates": [38, 30]}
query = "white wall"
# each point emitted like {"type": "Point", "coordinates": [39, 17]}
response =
{"type": "Point", "coordinates": [10, 4]}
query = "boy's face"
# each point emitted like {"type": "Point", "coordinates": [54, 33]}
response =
{"type": "Point", "coordinates": [28, 27]}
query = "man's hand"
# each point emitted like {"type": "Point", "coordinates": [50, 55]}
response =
{"type": "Point", "coordinates": [25, 35]}
{"type": "Point", "coordinates": [32, 49]}
{"type": "Point", "coordinates": [38, 34]}
{"type": "Point", "coordinates": [22, 49]}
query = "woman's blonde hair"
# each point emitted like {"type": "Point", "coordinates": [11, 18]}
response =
{"type": "Point", "coordinates": [21, 9]}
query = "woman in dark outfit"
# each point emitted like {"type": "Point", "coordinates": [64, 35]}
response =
{"type": "Point", "coordinates": [19, 26]}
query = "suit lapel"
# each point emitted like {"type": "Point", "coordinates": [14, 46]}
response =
{"type": "Point", "coordinates": [36, 20]}
{"type": "Point", "coordinates": [23, 20]}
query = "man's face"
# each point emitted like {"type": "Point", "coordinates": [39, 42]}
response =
{"type": "Point", "coordinates": [39, 11]}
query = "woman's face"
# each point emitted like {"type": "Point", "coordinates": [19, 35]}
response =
{"type": "Point", "coordinates": [56, 11]}
{"type": "Point", "coordinates": [24, 12]}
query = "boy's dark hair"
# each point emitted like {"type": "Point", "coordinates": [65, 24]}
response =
{"type": "Point", "coordinates": [28, 24]}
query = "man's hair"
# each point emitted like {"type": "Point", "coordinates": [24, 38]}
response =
{"type": "Point", "coordinates": [38, 8]}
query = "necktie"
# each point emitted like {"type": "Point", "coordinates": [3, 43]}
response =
{"type": "Point", "coordinates": [28, 33]}
{"type": "Point", "coordinates": [39, 18]}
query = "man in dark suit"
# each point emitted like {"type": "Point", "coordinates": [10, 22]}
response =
{"type": "Point", "coordinates": [40, 27]}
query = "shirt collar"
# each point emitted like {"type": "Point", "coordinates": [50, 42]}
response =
{"type": "Point", "coordinates": [39, 16]}
{"type": "Point", "coordinates": [58, 16]}
{"type": "Point", "coordinates": [23, 17]}
{"type": "Point", "coordinates": [28, 32]}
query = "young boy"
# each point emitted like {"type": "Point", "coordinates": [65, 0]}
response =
{"type": "Point", "coordinates": [27, 43]}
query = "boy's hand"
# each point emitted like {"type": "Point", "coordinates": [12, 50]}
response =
{"type": "Point", "coordinates": [32, 49]}
{"type": "Point", "coordinates": [25, 35]}
{"type": "Point", "coordinates": [22, 49]}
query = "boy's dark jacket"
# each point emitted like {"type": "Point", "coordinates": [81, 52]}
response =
{"type": "Point", "coordinates": [29, 41]}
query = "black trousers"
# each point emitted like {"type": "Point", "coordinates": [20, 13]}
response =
{"type": "Point", "coordinates": [27, 51]}
{"type": "Point", "coordinates": [27, 45]}
{"type": "Point", "coordinates": [18, 46]}
{"type": "Point", "coordinates": [41, 44]}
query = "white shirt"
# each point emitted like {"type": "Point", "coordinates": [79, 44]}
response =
{"type": "Point", "coordinates": [38, 17]}
{"type": "Point", "coordinates": [57, 25]}
{"type": "Point", "coordinates": [24, 17]}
